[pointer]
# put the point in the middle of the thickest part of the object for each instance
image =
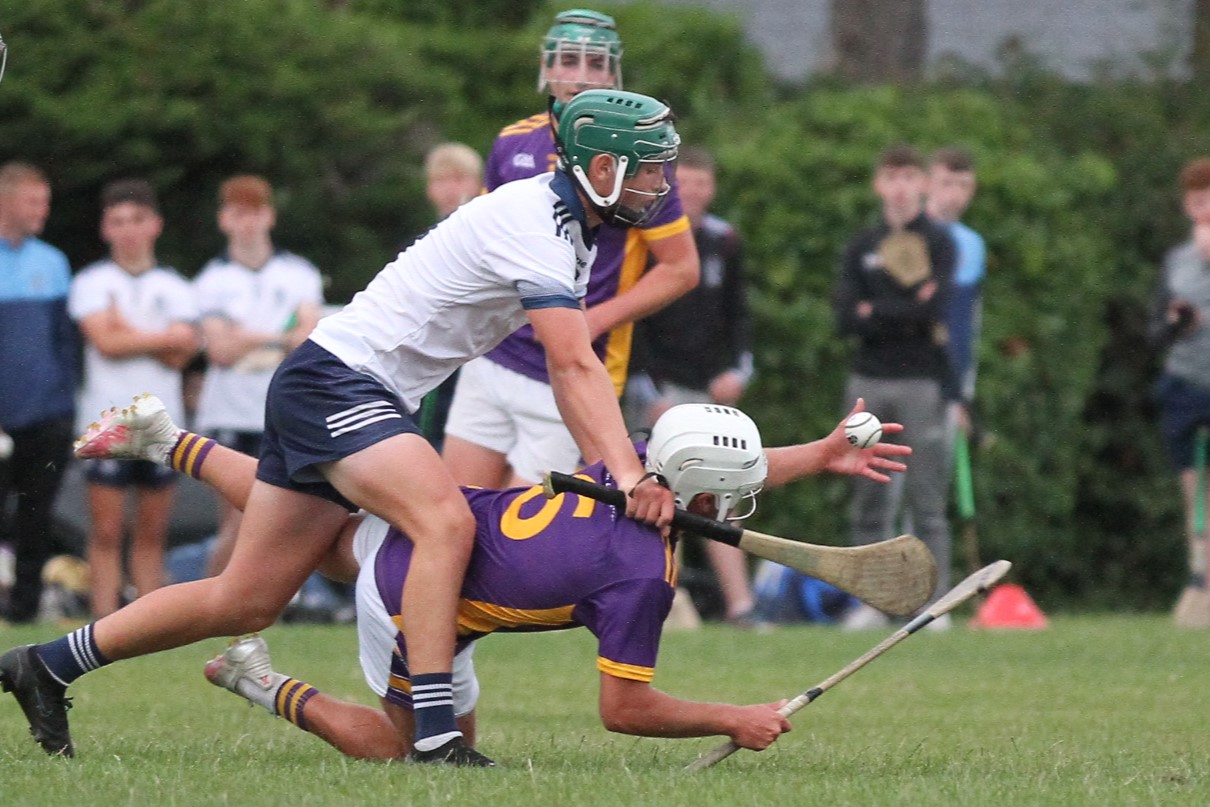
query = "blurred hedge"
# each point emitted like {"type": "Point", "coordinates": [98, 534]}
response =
{"type": "Point", "coordinates": [337, 103]}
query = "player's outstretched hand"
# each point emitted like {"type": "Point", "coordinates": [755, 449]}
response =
{"type": "Point", "coordinates": [758, 726]}
{"type": "Point", "coordinates": [648, 500]}
{"type": "Point", "coordinates": [874, 462]}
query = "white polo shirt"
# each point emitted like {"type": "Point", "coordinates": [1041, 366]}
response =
{"type": "Point", "coordinates": [150, 301]}
{"type": "Point", "coordinates": [264, 300]}
{"type": "Point", "coordinates": [464, 286]}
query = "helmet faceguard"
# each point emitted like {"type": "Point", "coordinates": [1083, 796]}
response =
{"type": "Point", "coordinates": [3, 57]}
{"type": "Point", "coordinates": [582, 49]}
{"type": "Point", "coordinates": [706, 448]}
{"type": "Point", "coordinates": [633, 129]}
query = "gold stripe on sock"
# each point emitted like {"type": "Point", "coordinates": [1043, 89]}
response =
{"type": "Point", "coordinates": [290, 697]}
{"type": "Point", "coordinates": [183, 444]}
{"type": "Point", "coordinates": [194, 449]}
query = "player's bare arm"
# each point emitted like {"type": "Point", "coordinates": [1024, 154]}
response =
{"type": "Point", "coordinates": [636, 707]}
{"type": "Point", "coordinates": [676, 271]}
{"type": "Point", "coordinates": [589, 406]}
{"type": "Point", "coordinates": [834, 453]}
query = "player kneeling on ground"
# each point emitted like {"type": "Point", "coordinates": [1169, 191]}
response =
{"type": "Point", "coordinates": [538, 564]}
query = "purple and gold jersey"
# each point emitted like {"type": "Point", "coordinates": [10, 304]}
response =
{"type": "Point", "coordinates": [526, 148]}
{"type": "Point", "coordinates": [552, 564]}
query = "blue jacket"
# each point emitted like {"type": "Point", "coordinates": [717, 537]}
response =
{"type": "Point", "coordinates": [37, 338]}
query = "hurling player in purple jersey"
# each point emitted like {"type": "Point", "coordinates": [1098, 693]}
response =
{"type": "Point", "coordinates": [504, 427]}
{"type": "Point", "coordinates": [540, 565]}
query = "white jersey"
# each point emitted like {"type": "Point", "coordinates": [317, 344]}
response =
{"type": "Point", "coordinates": [150, 301]}
{"type": "Point", "coordinates": [464, 286]}
{"type": "Point", "coordinates": [264, 300]}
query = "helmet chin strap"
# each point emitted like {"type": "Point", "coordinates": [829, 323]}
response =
{"type": "Point", "coordinates": [615, 194]}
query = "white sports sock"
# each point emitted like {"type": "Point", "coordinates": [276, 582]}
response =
{"type": "Point", "coordinates": [258, 694]}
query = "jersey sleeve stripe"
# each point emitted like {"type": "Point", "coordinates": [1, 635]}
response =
{"type": "Point", "coordinates": [631, 672]}
{"type": "Point", "coordinates": [526, 125]}
{"type": "Point", "coordinates": [549, 301]}
{"type": "Point", "coordinates": [666, 230]}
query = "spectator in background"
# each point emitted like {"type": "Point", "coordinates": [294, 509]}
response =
{"type": "Point", "coordinates": [453, 174]}
{"type": "Point", "coordinates": [892, 295]}
{"type": "Point", "coordinates": [696, 349]}
{"type": "Point", "coordinates": [951, 187]}
{"type": "Point", "coordinates": [504, 428]}
{"type": "Point", "coordinates": [37, 378]}
{"type": "Point", "coordinates": [138, 320]}
{"type": "Point", "coordinates": [1178, 325]}
{"type": "Point", "coordinates": [257, 303]}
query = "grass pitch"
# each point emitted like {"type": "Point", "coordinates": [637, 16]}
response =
{"type": "Point", "coordinates": [1094, 710]}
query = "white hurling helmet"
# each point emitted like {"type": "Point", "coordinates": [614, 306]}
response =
{"type": "Point", "coordinates": [706, 448]}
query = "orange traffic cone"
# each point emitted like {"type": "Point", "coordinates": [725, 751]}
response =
{"type": "Point", "coordinates": [1008, 606]}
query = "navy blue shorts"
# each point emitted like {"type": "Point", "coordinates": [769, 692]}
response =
{"type": "Point", "coordinates": [242, 441]}
{"type": "Point", "coordinates": [1183, 408]}
{"type": "Point", "coordinates": [320, 410]}
{"type": "Point", "coordinates": [129, 474]}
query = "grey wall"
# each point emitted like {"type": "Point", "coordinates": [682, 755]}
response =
{"type": "Point", "coordinates": [1073, 36]}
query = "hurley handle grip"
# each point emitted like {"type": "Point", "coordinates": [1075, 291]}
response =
{"type": "Point", "coordinates": [555, 483]}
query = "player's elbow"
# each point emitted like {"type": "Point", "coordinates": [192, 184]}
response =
{"type": "Point", "coordinates": [572, 366]}
{"type": "Point", "coordinates": [622, 721]}
{"type": "Point", "coordinates": [687, 276]}
{"type": "Point", "coordinates": [623, 715]}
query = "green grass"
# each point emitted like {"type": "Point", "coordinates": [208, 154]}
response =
{"type": "Point", "coordinates": [1094, 710]}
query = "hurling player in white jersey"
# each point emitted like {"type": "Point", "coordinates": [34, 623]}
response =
{"type": "Point", "coordinates": [339, 433]}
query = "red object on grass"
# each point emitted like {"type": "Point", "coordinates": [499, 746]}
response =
{"type": "Point", "coordinates": [1008, 606]}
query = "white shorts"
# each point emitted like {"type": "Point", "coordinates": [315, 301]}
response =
{"type": "Point", "coordinates": [516, 416]}
{"type": "Point", "coordinates": [376, 631]}
{"type": "Point", "coordinates": [675, 394]}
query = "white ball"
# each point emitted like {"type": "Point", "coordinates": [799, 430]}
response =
{"type": "Point", "coordinates": [863, 430]}
{"type": "Point", "coordinates": [6, 446]}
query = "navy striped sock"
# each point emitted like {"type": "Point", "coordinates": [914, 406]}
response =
{"type": "Point", "coordinates": [71, 656]}
{"type": "Point", "coordinates": [433, 706]}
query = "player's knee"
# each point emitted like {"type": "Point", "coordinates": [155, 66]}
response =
{"type": "Point", "coordinates": [242, 611]}
{"type": "Point", "coordinates": [105, 535]}
{"type": "Point", "coordinates": [253, 617]}
{"type": "Point", "coordinates": [462, 528]}
{"type": "Point", "coordinates": [450, 528]}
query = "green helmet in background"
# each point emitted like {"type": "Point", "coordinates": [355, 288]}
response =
{"type": "Point", "coordinates": [584, 47]}
{"type": "Point", "coordinates": [631, 128]}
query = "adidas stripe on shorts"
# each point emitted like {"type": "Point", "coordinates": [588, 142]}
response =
{"type": "Point", "coordinates": [319, 410]}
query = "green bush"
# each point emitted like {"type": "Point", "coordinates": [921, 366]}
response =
{"type": "Point", "coordinates": [1038, 209]}
{"type": "Point", "coordinates": [329, 106]}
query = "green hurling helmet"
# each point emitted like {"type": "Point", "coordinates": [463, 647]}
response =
{"type": "Point", "coordinates": [630, 127]}
{"type": "Point", "coordinates": [584, 47]}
